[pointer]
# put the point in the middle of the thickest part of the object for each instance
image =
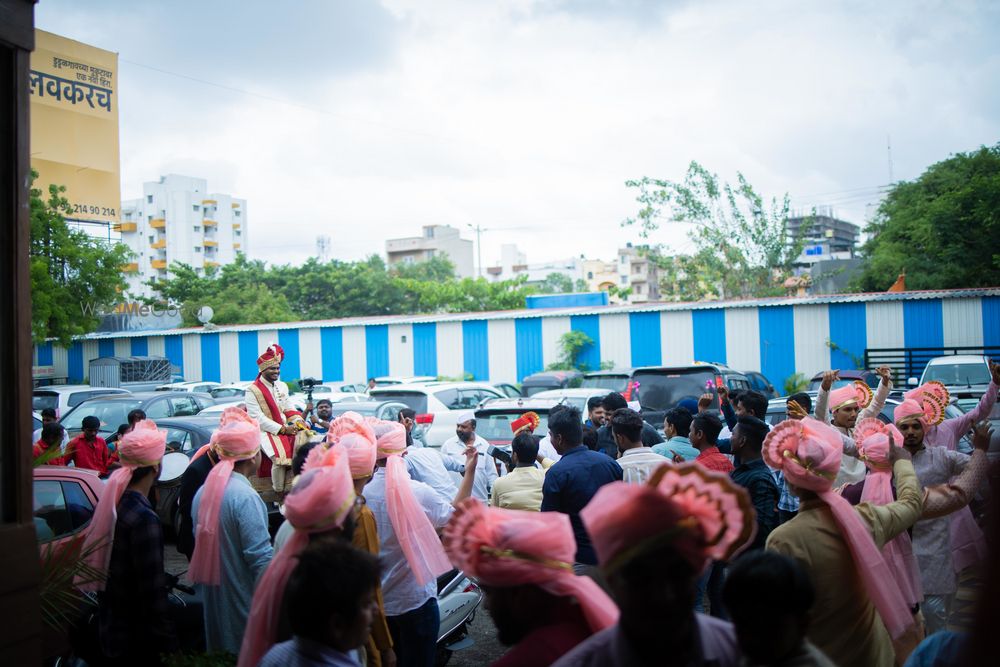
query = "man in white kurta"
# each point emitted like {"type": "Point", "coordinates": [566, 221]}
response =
{"type": "Point", "coordinates": [454, 448]}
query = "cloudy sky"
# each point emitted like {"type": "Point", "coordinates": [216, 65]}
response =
{"type": "Point", "coordinates": [365, 120]}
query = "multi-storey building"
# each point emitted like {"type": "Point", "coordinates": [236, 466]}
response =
{"type": "Point", "coordinates": [437, 240]}
{"type": "Point", "coordinates": [178, 220]}
{"type": "Point", "coordinates": [826, 237]}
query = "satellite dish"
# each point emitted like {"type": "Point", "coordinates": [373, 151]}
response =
{"type": "Point", "coordinates": [205, 314]}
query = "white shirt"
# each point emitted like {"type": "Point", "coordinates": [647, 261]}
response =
{"type": "Point", "coordinates": [279, 391]}
{"type": "Point", "coordinates": [428, 466]}
{"type": "Point", "coordinates": [486, 469]}
{"type": "Point", "coordinates": [400, 591]}
{"type": "Point", "coordinates": [639, 463]}
{"type": "Point", "coordinates": [547, 450]}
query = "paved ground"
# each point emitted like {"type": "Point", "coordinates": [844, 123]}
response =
{"type": "Point", "coordinates": [484, 650]}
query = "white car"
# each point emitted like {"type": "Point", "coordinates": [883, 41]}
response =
{"type": "Point", "coordinates": [335, 397]}
{"type": "Point", "coordinates": [965, 375]}
{"type": "Point", "coordinates": [203, 387]}
{"type": "Point", "coordinates": [438, 404]}
{"type": "Point", "coordinates": [64, 397]}
{"type": "Point", "coordinates": [387, 380]}
{"type": "Point", "coordinates": [577, 397]}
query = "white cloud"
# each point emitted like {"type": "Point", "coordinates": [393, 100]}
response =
{"type": "Point", "coordinates": [527, 117]}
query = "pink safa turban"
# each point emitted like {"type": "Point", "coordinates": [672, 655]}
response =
{"type": "Point", "coordinates": [872, 438]}
{"type": "Point", "coordinates": [501, 547]}
{"type": "Point", "coordinates": [809, 453]}
{"type": "Point", "coordinates": [926, 403]}
{"type": "Point", "coordinates": [416, 534]}
{"type": "Point", "coordinates": [856, 393]}
{"type": "Point", "coordinates": [357, 437]}
{"type": "Point", "coordinates": [701, 514]}
{"type": "Point", "coordinates": [320, 502]}
{"type": "Point", "coordinates": [143, 446]}
{"type": "Point", "coordinates": [237, 439]}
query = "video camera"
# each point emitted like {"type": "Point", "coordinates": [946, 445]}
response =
{"type": "Point", "coordinates": [308, 384]}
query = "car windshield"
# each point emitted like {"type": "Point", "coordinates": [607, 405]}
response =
{"type": "Point", "coordinates": [41, 400]}
{"type": "Point", "coordinates": [414, 399]}
{"type": "Point", "coordinates": [958, 374]}
{"type": "Point", "coordinates": [664, 390]}
{"type": "Point", "coordinates": [612, 382]}
{"type": "Point", "coordinates": [111, 413]}
{"type": "Point", "coordinates": [531, 391]}
{"type": "Point", "coordinates": [495, 426]}
{"type": "Point", "coordinates": [815, 384]}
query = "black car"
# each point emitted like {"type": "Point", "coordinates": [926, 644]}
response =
{"type": "Point", "coordinates": [113, 410]}
{"type": "Point", "coordinates": [659, 388]}
{"type": "Point", "coordinates": [760, 383]}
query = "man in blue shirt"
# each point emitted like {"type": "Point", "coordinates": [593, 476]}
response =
{"type": "Point", "coordinates": [324, 415]}
{"type": "Point", "coordinates": [576, 477]}
{"type": "Point", "coordinates": [677, 428]}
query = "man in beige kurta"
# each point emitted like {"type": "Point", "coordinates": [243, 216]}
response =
{"type": "Point", "coordinates": [845, 624]}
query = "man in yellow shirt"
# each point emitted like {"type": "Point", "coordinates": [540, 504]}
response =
{"type": "Point", "coordinates": [521, 488]}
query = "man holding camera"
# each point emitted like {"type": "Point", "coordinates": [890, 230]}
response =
{"type": "Point", "coordinates": [322, 416]}
{"type": "Point", "coordinates": [454, 448]}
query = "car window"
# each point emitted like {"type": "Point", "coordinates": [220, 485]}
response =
{"type": "Point", "coordinates": [389, 413]}
{"type": "Point", "coordinates": [61, 508]}
{"type": "Point", "coordinates": [449, 397]}
{"type": "Point", "coordinates": [203, 387]}
{"type": "Point", "coordinates": [112, 414]}
{"type": "Point", "coordinates": [78, 397]}
{"type": "Point", "coordinates": [202, 402]}
{"type": "Point", "coordinates": [184, 406]}
{"type": "Point", "coordinates": [487, 394]}
{"type": "Point", "coordinates": [178, 439]}
{"type": "Point", "coordinates": [468, 398]}
{"type": "Point", "coordinates": [610, 382]}
{"type": "Point", "coordinates": [158, 409]}
{"type": "Point", "coordinates": [42, 400]}
{"type": "Point", "coordinates": [416, 401]}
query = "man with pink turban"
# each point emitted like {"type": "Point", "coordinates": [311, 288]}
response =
{"type": "Point", "coordinates": [232, 543]}
{"type": "Point", "coordinates": [846, 406]}
{"type": "Point", "coordinates": [133, 613]}
{"type": "Point", "coordinates": [945, 545]}
{"type": "Point", "coordinates": [859, 608]}
{"type": "Point", "coordinates": [408, 514]}
{"type": "Point", "coordinates": [524, 562]}
{"type": "Point", "coordinates": [321, 503]}
{"type": "Point", "coordinates": [652, 542]}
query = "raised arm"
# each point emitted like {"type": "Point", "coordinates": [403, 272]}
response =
{"type": "Point", "coordinates": [956, 427]}
{"type": "Point", "coordinates": [881, 393]}
{"type": "Point", "coordinates": [465, 489]}
{"type": "Point", "coordinates": [823, 397]}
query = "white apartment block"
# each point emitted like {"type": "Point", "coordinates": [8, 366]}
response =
{"type": "Point", "coordinates": [178, 220]}
{"type": "Point", "coordinates": [436, 240]}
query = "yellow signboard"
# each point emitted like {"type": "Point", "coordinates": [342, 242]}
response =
{"type": "Point", "coordinates": [74, 124]}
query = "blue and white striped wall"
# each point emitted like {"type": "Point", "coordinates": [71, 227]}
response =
{"type": "Point", "coordinates": [777, 336]}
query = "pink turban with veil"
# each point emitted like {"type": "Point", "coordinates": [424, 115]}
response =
{"type": "Point", "coordinates": [926, 403]}
{"type": "Point", "coordinates": [416, 534]}
{"type": "Point", "coordinates": [143, 446]}
{"type": "Point", "coordinates": [856, 393]}
{"type": "Point", "coordinates": [701, 514]}
{"type": "Point", "coordinates": [320, 502]}
{"type": "Point", "coordinates": [502, 547]}
{"type": "Point", "coordinates": [872, 438]}
{"type": "Point", "coordinates": [809, 453]}
{"type": "Point", "coordinates": [237, 439]}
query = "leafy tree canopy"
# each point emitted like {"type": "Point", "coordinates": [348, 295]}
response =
{"type": "Point", "coordinates": [742, 247]}
{"type": "Point", "coordinates": [942, 229]}
{"type": "Point", "coordinates": [74, 276]}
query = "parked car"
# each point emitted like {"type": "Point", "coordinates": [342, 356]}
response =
{"type": "Point", "coordinates": [388, 380]}
{"type": "Point", "coordinates": [507, 389]}
{"type": "Point", "coordinates": [577, 397]}
{"type": "Point", "coordinates": [300, 398]}
{"type": "Point", "coordinates": [437, 404]}
{"type": "Point", "coordinates": [965, 375]}
{"type": "Point", "coordinates": [847, 376]}
{"type": "Point", "coordinates": [203, 387]}
{"type": "Point", "coordinates": [346, 388]}
{"type": "Point", "coordinates": [493, 419]}
{"type": "Point", "coordinates": [758, 382]}
{"type": "Point", "coordinates": [616, 379]}
{"type": "Point", "coordinates": [386, 410]}
{"type": "Point", "coordinates": [63, 397]}
{"type": "Point", "coordinates": [64, 501]}
{"type": "Point", "coordinates": [537, 382]}
{"type": "Point", "coordinates": [36, 421]}
{"type": "Point", "coordinates": [229, 391]}
{"type": "Point", "coordinates": [660, 388]}
{"type": "Point", "coordinates": [966, 404]}
{"type": "Point", "coordinates": [113, 410]}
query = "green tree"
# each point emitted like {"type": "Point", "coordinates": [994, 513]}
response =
{"type": "Point", "coordinates": [74, 276]}
{"type": "Point", "coordinates": [741, 242]}
{"type": "Point", "coordinates": [556, 283]}
{"type": "Point", "coordinates": [571, 345]}
{"type": "Point", "coordinates": [942, 229]}
{"type": "Point", "coordinates": [438, 267]}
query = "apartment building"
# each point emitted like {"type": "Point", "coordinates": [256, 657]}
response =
{"type": "Point", "coordinates": [436, 240]}
{"type": "Point", "coordinates": [178, 220]}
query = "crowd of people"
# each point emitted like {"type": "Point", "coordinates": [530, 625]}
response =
{"type": "Point", "coordinates": [829, 538]}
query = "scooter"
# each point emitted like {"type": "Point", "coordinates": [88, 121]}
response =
{"type": "Point", "coordinates": [458, 599]}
